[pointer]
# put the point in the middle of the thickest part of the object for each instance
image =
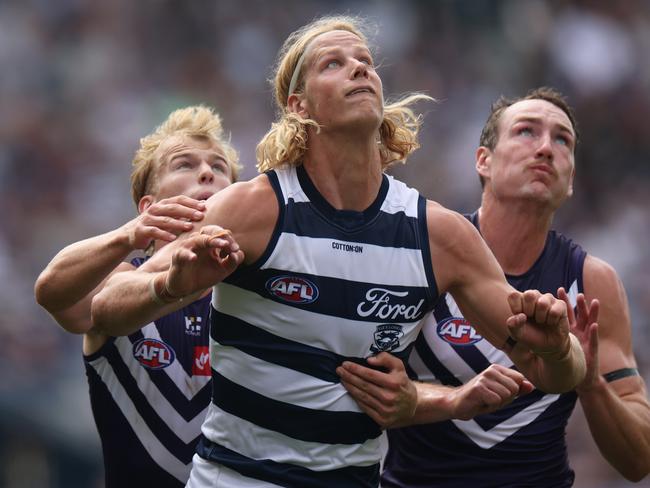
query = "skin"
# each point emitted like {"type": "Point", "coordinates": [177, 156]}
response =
{"type": "Point", "coordinates": [342, 92]}
{"type": "Point", "coordinates": [188, 171]}
{"type": "Point", "coordinates": [528, 175]}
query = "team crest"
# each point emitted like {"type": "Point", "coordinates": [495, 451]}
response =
{"type": "Point", "coordinates": [387, 338]}
{"type": "Point", "coordinates": [458, 332]}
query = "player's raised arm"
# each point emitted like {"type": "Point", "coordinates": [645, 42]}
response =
{"type": "Point", "coordinates": [533, 329]}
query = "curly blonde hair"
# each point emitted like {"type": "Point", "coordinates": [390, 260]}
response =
{"type": "Point", "coordinates": [286, 142]}
{"type": "Point", "coordinates": [194, 121]}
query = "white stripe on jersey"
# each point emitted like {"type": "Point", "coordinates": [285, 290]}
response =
{"type": "Point", "coordinates": [188, 385]}
{"type": "Point", "coordinates": [304, 327]}
{"type": "Point", "coordinates": [295, 253]}
{"type": "Point", "coordinates": [400, 198]}
{"type": "Point", "coordinates": [280, 383]}
{"type": "Point", "coordinates": [488, 438]}
{"type": "Point", "coordinates": [452, 361]}
{"type": "Point", "coordinates": [206, 474]}
{"type": "Point", "coordinates": [417, 365]}
{"type": "Point", "coordinates": [165, 459]}
{"type": "Point", "coordinates": [257, 443]}
{"type": "Point", "coordinates": [186, 431]}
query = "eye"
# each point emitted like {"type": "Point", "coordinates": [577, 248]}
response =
{"type": "Point", "coordinates": [183, 163]}
{"type": "Point", "coordinates": [332, 64]}
{"type": "Point", "coordinates": [525, 131]}
{"type": "Point", "coordinates": [564, 140]}
{"type": "Point", "coordinates": [219, 167]}
{"type": "Point", "coordinates": [366, 60]}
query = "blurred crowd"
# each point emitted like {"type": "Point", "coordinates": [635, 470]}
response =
{"type": "Point", "coordinates": [82, 81]}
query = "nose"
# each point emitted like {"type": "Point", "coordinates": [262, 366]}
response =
{"type": "Point", "coordinates": [545, 148]}
{"type": "Point", "coordinates": [206, 175]}
{"type": "Point", "coordinates": [359, 69]}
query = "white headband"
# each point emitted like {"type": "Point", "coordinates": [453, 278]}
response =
{"type": "Point", "coordinates": [296, 71]}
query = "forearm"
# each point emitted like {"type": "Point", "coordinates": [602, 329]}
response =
{"type": "Point", "coordinates": [552, 373]}
{"type": "Point", "coordinates": [127, 303]}
{"type": "Point", "coordinates": [620, 427]}
{"type": "Point", "coordinates": [434, 403]}
{"type": "Point", "coordinates": [78, 269]}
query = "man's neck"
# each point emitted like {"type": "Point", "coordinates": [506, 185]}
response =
{"type": "Point", "coordinates": [515, 232]}
{"type": "Point", "coordinates": [345, 170]}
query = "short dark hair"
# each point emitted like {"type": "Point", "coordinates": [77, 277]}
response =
{"type": "Point", "coordinates": [490, 132]}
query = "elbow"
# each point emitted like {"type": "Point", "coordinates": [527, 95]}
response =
{"type": "Point", "coordinates": [42, 291]}
{"type": "Point", "coordinates": [97, 312]}
{"type": "Point", "coordinates": [635, 473]}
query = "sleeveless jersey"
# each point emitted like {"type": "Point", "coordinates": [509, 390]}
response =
{"type": "Point", "coordinates": [521, 445]}
{"type": "Point", "coordinates": [331, 286]}
{"type": "Point", "coordinates": [149, 393]}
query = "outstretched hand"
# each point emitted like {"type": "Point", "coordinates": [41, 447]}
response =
{"type": "Point", "coordinates": [584, 326]}
{"type": "Point", "coordinates": [539, 322]}
{"type": "Point", "coordinates": [204, 259]}
{"type": "Point", "coordinates": [163, 220]}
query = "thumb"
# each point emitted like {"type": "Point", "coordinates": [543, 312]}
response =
{"type": "Point", "coordinates": [525, 387]}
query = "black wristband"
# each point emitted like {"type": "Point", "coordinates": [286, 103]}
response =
{"type": "Point", "coordinates": [620, 373]}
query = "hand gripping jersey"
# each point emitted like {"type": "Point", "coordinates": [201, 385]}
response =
{"type": "Point", "coordinates": [332, 285]}
{"type": "Point", "coordinates": [149, 394]}
{"type": "Point", "coordinates": [521, 445]}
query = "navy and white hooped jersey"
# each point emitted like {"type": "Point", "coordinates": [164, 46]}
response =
{"type": "Point", "coordinates": [149, 394]}
{"type": "Point", "coordinates": [521, 445]}
{"type": "Point", "coordinates": [331, 286]}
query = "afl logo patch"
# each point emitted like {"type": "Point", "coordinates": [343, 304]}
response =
{"type": "Point", "coordinates": [153, 354]}
{"type": "Point", "coordinates": [458, 332]}
{"type": "Point", "coordinates": [292, 289]}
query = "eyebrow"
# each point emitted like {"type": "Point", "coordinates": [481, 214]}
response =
{"type": "Point", "coordinates": [321, 52]}
{"type": "Point", "coordinates": [538, 120]}
{"type": "Point", "coordinates": [215, 155]}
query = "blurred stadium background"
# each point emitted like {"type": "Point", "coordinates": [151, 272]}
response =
{"type": "Point", "coordinates": [81, 81]}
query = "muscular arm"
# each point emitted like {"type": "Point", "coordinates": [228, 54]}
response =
{"type": "Point", "coordinates": [618, 412]}
{"type": "Point", "coordinates": [545, 352]}
{"type": "Point", "coordinates": [67, 285]}
{"type": "Point", "coordinates": [393, 400]}
{"type": "Point", "coordinates": [187, 267]}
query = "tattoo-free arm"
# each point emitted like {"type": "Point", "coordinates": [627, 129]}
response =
{"type": "Point", "coordinates": [545, 352]}
{"type": "Point", "coordinates": [618, 413]}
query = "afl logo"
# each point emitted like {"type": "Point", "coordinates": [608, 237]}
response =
{"type": "Point", "coordinates": [292, 289]}
{"type": "Point", "coordinates": [153, 354]}
{"type": "Point", "coordinates": [458, 332]}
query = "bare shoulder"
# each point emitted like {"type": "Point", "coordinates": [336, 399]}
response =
{"type": "Point", "coordinates": [458, 253]}
{"type": "Point", "coordinates": [602, 282]}
{"type": "Point", "coordinates": [249, 210]}
{"type": "Point", "coordinates": [450, 232]}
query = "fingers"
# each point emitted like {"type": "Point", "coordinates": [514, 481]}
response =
{"type": "Point", "coordinates": [562, 295]}
{"type": "Point", "coordinates": [180, 201]}
{"type": "Point", "coordinates": [491, 390]}
{"type": "Point", "coordinates": [389, 397]}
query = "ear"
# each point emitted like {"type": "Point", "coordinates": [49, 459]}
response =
{"type": "Point", "coordinates": [296, 103]}
{"type": "Point", "coordinates": [570, 190]}
{"type": "Point", "coordinates": [483, 161]}
{"type": "Point", "coordinates": [145, 202]}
